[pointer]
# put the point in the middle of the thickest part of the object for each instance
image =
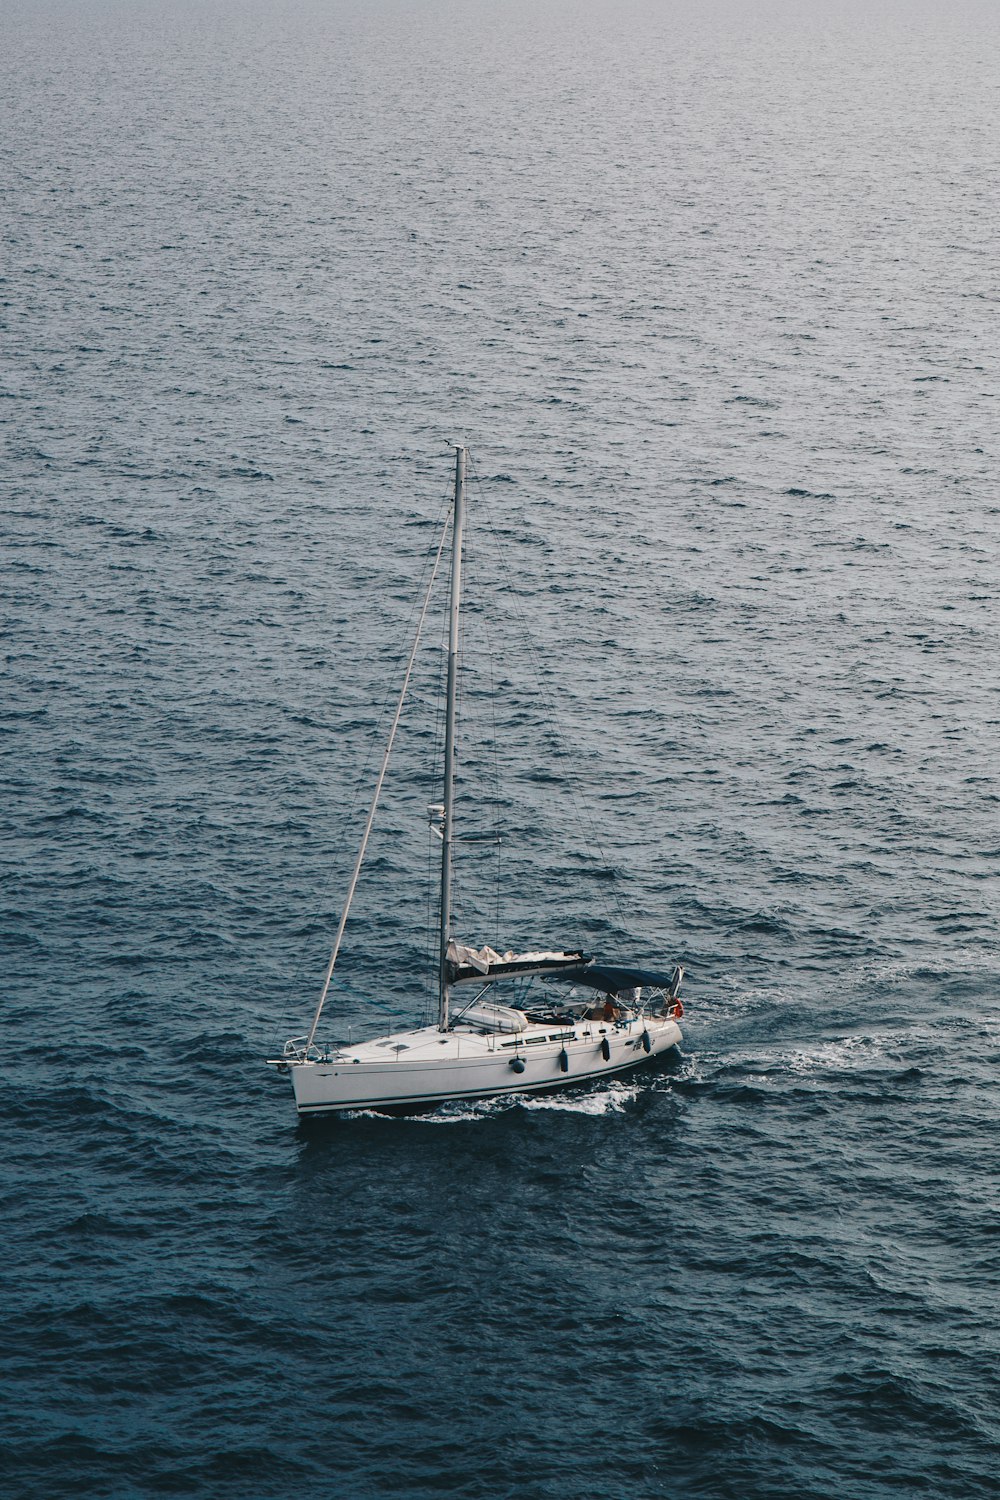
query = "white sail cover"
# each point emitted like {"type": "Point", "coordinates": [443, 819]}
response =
{"type": "Point", "coordinates": [479, 959]}
{"type": "Point", "coordinates": [468, 963]}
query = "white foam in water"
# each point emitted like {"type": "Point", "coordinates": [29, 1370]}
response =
{"type": "Point", "coordinates": [731, 998]}
{"type": "Point", "coordinates": [835, 1054]}
{"type": "Point", "coordinates": [961, 962]}
{"type": "Point", "coordinates": [610, 1100]}
{"type": "Point", "coordinates": [613, 1098]}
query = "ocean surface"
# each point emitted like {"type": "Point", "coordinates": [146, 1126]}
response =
{"type": "Point", "coordinates": [711, 292]}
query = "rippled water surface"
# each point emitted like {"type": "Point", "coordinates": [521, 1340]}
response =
{"type": "Point", "coordinates": [710, 290]}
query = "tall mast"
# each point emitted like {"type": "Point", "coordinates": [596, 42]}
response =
{"type": "Point", "coordinates": [449, 728]}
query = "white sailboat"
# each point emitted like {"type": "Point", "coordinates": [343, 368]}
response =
{"type": "Point", "coordinates": [508, 1023]}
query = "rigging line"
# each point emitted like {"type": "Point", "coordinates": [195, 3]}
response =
{"type": "Point", "coordinates": [478, 575]}
{"type": "Point", "coordinates": [496, 775]}
{"type": "Point", "coordinates": [378, 788]}
{"type": "Point", "coordinates": [435, 763]}
{"type": "Point", "coordinates": [476, 742]}
{"type": "Point", "coordinates": [429, 925]}
{"type": "Point", "coordinates": [459, 914]}
{"type": "Point", "coordinates": [434, 773]}
{"type": "Point", "coordinates": [574, 780]}
{"type": "Point", "coordinates": [430, 560]}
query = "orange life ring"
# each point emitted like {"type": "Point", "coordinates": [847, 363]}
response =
{"type": "Point", "coordinates": [678, 1010]}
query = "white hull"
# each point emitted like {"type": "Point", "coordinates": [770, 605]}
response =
{"type": "Point", "coordinates": [427, 1067]}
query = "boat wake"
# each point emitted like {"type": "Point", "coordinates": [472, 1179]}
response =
{"type": "Point", "coordinates": [822, 1062]}
{"type": "Point", "coordinates": [612, 1099]}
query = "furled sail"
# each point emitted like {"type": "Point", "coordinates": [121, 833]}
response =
{"type": "Point", "coordinates": [485, 965]}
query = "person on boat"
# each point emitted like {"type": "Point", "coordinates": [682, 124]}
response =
{"type": "Point", "coordinates": [611, 1011]}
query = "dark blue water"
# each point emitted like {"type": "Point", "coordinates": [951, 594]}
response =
{"type": "Point", "coordinates": [711, 292]}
